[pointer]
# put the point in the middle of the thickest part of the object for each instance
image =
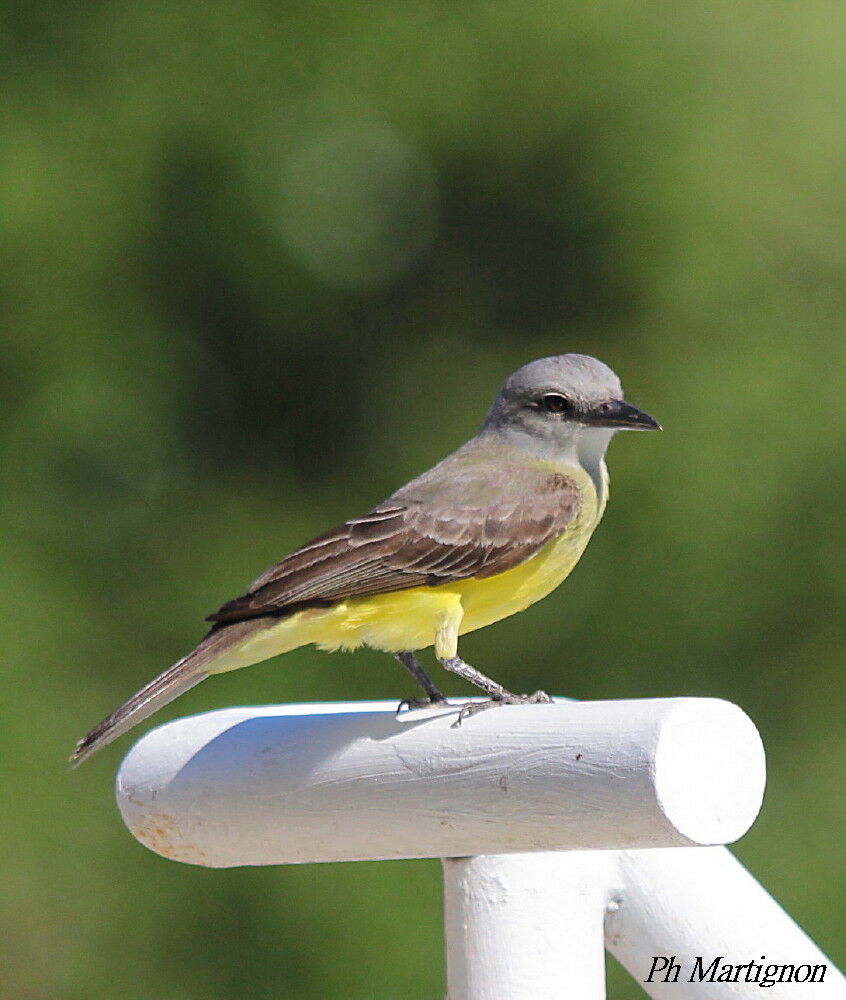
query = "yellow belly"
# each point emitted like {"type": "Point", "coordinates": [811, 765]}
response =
{"type": "Point", "coordinates": [425, 616]}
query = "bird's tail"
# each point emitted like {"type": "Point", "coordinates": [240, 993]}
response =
{"type": "Point", "coordinates": [184, 674]}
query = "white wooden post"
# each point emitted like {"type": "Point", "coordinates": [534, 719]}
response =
{"type": "Point", "coordinates": [595, 782]}
{"type": "Point", "coordinates": [527, 925]}
{"type": "Point", "coordinates": [703, 902]}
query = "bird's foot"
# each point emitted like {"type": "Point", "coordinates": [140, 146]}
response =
{"type": "Point", "coordinates": [409, 704]}
{"type": "Point", "coordinates": [506, 698]}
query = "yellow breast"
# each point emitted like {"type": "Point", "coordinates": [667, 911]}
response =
{"type": "Point", "coordinates": [413, 619]}
{"type": "Point", "coordinates": [488, 600]}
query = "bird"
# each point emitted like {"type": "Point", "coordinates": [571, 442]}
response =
{"type": "Point", "coordinates": [493, 527]}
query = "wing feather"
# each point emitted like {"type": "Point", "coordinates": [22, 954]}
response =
{"type": "Point", "coordinates": [396, 546]}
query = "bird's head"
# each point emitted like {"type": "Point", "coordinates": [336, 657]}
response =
{"type": "Point", "coordinates": [563, 404]}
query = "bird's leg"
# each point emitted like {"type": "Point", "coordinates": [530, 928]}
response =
{"type": "Point", "coordinates": [496, 692]}
{"type": "Point", "coordinates": [433, 695]}
{"type": "Point", "coordinates": [457, 666]}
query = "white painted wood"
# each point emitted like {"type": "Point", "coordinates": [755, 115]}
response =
{"type": "Point", "coordinates": [527, 926]}
{"type": "Point", "coordinates": [338, 782]}
{"type": "Point", "coordinates": [703, 902]}
{"type": "Point", "coordinates": [530, 926]}
{"type": "Point", "coordinates": [306, 783]}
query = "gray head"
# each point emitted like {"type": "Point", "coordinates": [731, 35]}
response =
{"type": "Point", "coordinates": [564, 403]}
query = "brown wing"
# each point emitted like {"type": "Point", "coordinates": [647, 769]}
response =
{"type": "Point", "coordinates": [402, 545]}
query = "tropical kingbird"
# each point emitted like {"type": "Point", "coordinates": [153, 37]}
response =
{"type": "Point", "coordinates": [495, 526]}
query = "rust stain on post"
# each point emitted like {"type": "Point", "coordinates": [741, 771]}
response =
{"type": "Point", "coordinates": [160, 833]}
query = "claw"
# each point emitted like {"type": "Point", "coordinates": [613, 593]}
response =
{"type": "Point", "coordinates": [409, 704]}
{"type": "Point", "coordinates": [507, 698]}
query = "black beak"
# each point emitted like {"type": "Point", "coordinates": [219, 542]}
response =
{"type": "Point", "coordinates": [618, 413]}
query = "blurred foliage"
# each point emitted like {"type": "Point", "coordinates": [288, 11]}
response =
{"type": "Point", "coordinates": [263, 262]}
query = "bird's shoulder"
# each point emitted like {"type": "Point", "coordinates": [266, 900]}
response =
{"type": "Point", "coordinates": [489, 473]}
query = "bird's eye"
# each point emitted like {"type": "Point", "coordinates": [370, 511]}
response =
{"type": "Point", "coordinates": [604, 407]}
{"type": "Point", "coordinates": [555, 403]}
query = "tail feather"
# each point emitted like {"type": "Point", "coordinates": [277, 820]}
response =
{"type": "Point", "coordinates": [183, 675]}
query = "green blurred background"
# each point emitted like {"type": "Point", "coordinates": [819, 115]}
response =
{"type": "Point", "coordinates": [264, 261]}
